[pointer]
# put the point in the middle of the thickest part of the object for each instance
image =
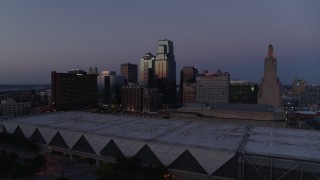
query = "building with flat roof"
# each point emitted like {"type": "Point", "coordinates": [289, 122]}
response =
{"type": "Point", "coordinates": [189, 149]}
{"type": "Point", "coordinates": [73, 90]}
{"type": "Point", "coordinates": [11, 108]}
{"type": "Point", "coordinates": [213, 87]}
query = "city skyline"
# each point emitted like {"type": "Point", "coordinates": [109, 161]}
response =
{"type": "Point", "coordinates": [39, 37]}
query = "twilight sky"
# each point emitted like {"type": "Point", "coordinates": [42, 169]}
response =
{"type": "Point", "coordinates": [39, 36]}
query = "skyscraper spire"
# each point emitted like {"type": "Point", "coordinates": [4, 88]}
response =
{"type": "Point", "coordinates": [270, 51]}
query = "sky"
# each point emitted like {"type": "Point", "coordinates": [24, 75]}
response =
{"type": "Point", "coordinates": [37, 37]}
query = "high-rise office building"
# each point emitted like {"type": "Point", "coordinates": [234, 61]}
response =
{"type": "Point", "coordinates": [109, 85]}
{"type": "Point", "coordinates": [147, 67]}
{"type": "Point", "coordinates": [270, 92]}
{"type": "Point", "coordinates": [243, 92]}
{"type": "Point", "coordinates": [129, 72]}
{"type": "Point", "coordinates": [213, 88]}
{"type": "Point", "coordinates": [73, 90]}
{"type": "Point", "coordinates": [188, 77]}
{"type": "Point", "coordinates": [165, 71]}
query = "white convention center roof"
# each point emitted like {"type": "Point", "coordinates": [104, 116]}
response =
{"type": "Point", "coordinates": [212, 144]}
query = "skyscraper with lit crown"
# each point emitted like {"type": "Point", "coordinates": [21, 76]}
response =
{"type": "Point", "coordinates": [165, 71]}
{"type": "Point", "coordinates": [270, 87]}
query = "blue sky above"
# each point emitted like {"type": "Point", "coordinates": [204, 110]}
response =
{"type": "Point", "coordinates": [37, 37]}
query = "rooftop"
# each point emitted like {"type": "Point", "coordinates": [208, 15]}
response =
{"type": "Point", "coordinates": [288, 143]}
{"type": "Point", "coordinates": [188, 133]}
{"type": "Point", "coordinates": [208, 136]}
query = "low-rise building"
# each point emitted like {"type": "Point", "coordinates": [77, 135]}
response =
{"type": "Point", "coordinates": [11, 108]}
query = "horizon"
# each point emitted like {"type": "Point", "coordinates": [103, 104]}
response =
{"type": "Point", "coordinates": [39, 37]}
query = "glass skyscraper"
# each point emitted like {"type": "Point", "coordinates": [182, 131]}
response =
{"type": "Point", "coordinates": [165, 71]}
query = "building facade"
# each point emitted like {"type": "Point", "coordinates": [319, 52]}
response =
{"type": "Point", "coordinates": [129, 72]}
{"type": "Point", "coordinates": [109, 86]}
{"type": "Point", "coordinates": [132, 97]}
{"type": "Point", "coordinates": [243, 92]}
{"type": "Point", "coordinates": [11, 108]}
{"type": "Point", "coordinates": [165, 71]}
{"type": "Point", "coordinates": [189, 93]}
{"type": "Point", "coordinates": [147, 67]}
{"type": "Point", "coordinates": [188, 77]}
{"type": "Point", "coordinates": [310, 97]}
{"type": "Point", "coordinates": [270, 92]}
{"type": "Point", "coordinates": [151, 100]}
{"type": "Point", "coordinates": [213, 88]}
{"type": "Point", "coordinates": [298, 86]}
{"type": "Point", "coordinates": [73, 90]}
{"type": "Point", "coordinates": [46, 97]}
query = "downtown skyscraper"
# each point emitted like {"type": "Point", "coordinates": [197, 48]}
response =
{"type": "Point", "coordinates": [147, 67]}
{"type": "Point", "coordinates": [165, 71]}
{"type": "Point", "coordinates": [270, 87]}
{"type": "Point", "coordinates": [129, 72]}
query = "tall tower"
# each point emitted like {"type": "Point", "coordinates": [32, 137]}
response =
{"type": "Point", "coordinates": [270, 87]}
{"type": "Point", "coordinates": [147, 70]}
{"type": "Point", "coordinates": [165, 71]}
